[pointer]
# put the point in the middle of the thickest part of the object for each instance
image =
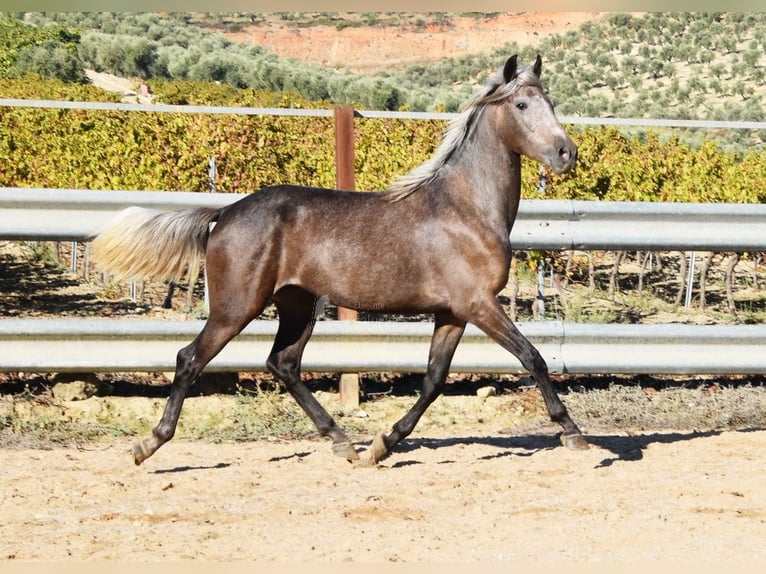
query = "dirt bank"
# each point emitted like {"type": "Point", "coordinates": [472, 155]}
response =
{"type": "Point", "coordinates": [370, 49]}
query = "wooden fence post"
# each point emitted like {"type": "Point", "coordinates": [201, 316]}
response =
{"type": "Point", "coordinates": [348, 387]}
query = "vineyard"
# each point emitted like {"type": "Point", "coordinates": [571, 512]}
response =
{"type": "Point", "coordinates": [129, 150]}
{"type": "Point", "coordinates": [660, 65]}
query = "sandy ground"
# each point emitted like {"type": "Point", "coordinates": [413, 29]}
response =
{"type": "Point", "coordinates": [671, 495]}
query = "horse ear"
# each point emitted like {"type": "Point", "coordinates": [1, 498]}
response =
{"type": "Point", "coordinates": [509, 71]}
{"type": "Point", "coordinates": [538, 67]}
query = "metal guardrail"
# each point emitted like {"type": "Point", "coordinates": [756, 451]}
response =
{"type": "Point", "coordinates": [564, 224]}
{"type": "Point", "coordinates": [128, 345]}
{"type": "Point", "coordinates": [76, 215]}
{"type": "Point", "coordinates": [318, 112]}
{"type": "Point", "coordinates": [41, 214]}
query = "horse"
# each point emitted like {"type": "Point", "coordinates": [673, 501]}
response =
{"type": "Point", "coordinates": [435, 241]}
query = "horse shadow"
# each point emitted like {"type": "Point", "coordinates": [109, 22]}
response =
{"type": "Point", "coordinates": [629, 448]}
{"type": "Point", "coordinates": [178, 469]}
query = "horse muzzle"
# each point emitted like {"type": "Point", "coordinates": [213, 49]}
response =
{"type": "Point", "coordinates": [565, 158]}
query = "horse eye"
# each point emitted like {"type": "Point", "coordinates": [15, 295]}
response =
{"type": "Point", "coordinates": [521, 106]}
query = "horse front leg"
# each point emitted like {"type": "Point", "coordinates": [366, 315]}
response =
{"type": "Point", "coordinates": [447, 333]}
{"type": "Point", "coordinates": [490, 318]}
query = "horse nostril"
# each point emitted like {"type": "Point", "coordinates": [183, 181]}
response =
{"type": "Point", "coordinates": [567, 153]}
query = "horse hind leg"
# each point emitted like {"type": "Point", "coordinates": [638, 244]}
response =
{"type": "Point", "coordinates": [296, 307]}
{"type": "Point", "coordinates": [233, 304]}
{"type": "Point", "coordinates": [189, 364]}
{"type": "Point", "coordinates": [240, 272]}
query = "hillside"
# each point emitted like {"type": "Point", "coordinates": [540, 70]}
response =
{"type": "Point", "coordinates": [675, 65]}
{"type": "Point", "coordinates": [688, 65]}
{"type": "Point", "coordinates": [395, 45]}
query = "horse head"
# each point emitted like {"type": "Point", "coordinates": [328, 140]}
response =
{"type": "Point", "coordinates": [526, 120]}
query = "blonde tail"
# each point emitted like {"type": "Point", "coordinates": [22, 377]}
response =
{"type": "Point", "coordinates": [149, 244]}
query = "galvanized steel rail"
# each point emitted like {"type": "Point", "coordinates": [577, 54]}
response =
{"type": "Point", "coordinates": [137, 345]}
{"type": "Point", "coordinates": [38, 214]}
{"type": "Point", "coordinates": [318, 112]}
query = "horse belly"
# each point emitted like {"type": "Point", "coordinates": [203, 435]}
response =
{"type": "Point", "coordinates": [358, 276]}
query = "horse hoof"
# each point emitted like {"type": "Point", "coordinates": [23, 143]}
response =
{"type": "Point", "coordinates": [574, 441]}
{"type": "Point", "coordinates": [345, 450]}
{"type": "Point", "coordinates": [378, 449]}
{"type": "Point", "coordinates": [141, 452]}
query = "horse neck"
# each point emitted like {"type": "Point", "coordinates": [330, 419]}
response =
{"type": "Point", "coordinates": [485, 177]}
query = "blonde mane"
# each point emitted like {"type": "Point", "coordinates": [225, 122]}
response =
{"type": "Point", "coordinates": [496, 90]}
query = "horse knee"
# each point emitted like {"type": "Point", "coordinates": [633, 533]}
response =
{"type": "Point", "coordinates": [282, 367]}
{"type": "Point", "coordinates": [535, 363]}
{"type": "Point", "coordinates": [185, 357]}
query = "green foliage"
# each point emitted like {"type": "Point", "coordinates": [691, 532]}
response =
{"type": "Point", "coordinates": [623, 64]}
{"type": "Point", "coordinates": [204, 93]}
{"type": "Point", "coordinates": [33, 86]}
{"type": "Point", "coordinates": [385, 148]}
{"type": "Point", "coordinates": [50, 51]}
{"type": "Point", "coordinates": [122, 55]}
{"type": "Point", "coordinates": [120, 150]}
{"type": "Point", "coordinates": [148, 46]}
